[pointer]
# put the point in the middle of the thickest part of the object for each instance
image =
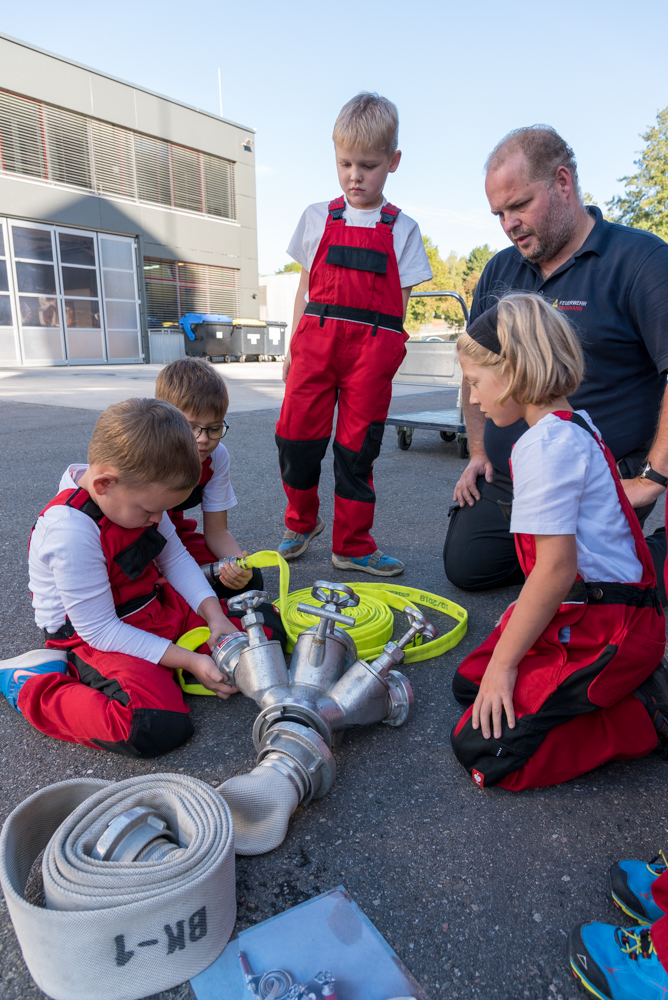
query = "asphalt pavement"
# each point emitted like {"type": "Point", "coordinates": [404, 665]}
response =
{"type": "Point", "coordinates": [476, 890]}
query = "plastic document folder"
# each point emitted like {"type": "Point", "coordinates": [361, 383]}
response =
{"type": "Point", "coordinates": [328, 932]}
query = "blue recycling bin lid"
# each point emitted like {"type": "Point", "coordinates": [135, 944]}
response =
{"type": "Point", "coordinates": [186, 322]}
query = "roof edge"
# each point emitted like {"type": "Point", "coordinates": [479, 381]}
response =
{"type": "Point", "coordinates": [126, 83]}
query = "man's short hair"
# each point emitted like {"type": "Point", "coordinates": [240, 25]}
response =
{"type": "Point", "coordinates": [148, 442]}
{"type": "Point", "coordinates": [195, 385]}
{"type": "Point", "coordinates": [368, 121]}
{"type": "Point", "coordinates": [544, 149]}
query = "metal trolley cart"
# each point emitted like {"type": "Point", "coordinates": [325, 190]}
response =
{"type": "Point", "coordinates": [432, 363]}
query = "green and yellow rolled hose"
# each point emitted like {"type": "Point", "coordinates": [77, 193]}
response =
{"type": "Point", "coordinates": [374, 620]}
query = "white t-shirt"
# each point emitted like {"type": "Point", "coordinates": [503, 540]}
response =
{"type": "Point", "coordinates": [408, 246]}
{"type": "Point", "coordinates": [68, 577]}
{"type": "Point", "coordinates": [218, 493]}
{"type": "Point", "coordinates": [562, 485]}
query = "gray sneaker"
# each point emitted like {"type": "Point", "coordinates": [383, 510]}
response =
{"type": "Point", "coordinates": [376, 564]}
{"type": "Point", "coordinates": [294, 544]}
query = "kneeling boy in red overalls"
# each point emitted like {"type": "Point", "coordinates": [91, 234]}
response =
{"type": "Point", "coordinates": [360, 257]}
{"type": "Point", "coordinates": [195, 387]}
{"type": "Point", "coordinates": [114, 589]}
{"type": "Point", "coordinates": [573, 662]}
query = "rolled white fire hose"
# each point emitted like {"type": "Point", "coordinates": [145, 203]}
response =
{"type": "Point", "coordinates": [117, 930]}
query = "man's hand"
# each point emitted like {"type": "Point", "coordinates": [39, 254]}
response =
{"type": "Point", "coordinates": [642, 492]}
{"type": "Point", "coordinates": [233, 576]}
{"type": "Point", "coordinates": [495, 695]}
{"type": "Point", "coordinates": [209, 676]}
{"type": "Point", "coordinates": [466, 491]}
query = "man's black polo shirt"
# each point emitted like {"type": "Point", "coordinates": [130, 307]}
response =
{"type": "Point", "coordinates": [614, 290]}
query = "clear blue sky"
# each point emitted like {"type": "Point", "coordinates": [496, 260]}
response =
{"type": "Point", "coordinates": [462, 75]}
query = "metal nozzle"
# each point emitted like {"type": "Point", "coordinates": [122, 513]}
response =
{"type": "Point", "coordinates": [212, 570]}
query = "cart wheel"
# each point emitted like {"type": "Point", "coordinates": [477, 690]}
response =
{"type": "Point", "coordinates": [462, 446]}
{"type": "Point", "coordinates": [242, 357]}
{"type": "Point", "coordinates": [226, 359]}
{"type": "Point", "coordinates": [404, 438]}
{"type": "Point", "coordinates": [447, 436]}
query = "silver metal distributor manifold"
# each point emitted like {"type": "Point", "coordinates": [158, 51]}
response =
{"type": "Point", "coordinates": [305, 710]}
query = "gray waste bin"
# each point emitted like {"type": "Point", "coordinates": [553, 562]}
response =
{"type": "Point", "coordinates": [207, 335]}
{"type": "Point", "coordinates": [248, 339]}
{"type": "Point", "coordinates": [275, 339]}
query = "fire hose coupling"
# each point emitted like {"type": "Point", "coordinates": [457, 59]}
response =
{"type": "Point", "coordinates": [300, 754]}
{"type": "Point", "coordinates": [138, 834]}
{"type": "Point", "coordinates": [212, 570]}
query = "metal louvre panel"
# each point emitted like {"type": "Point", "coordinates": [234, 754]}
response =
{"type": "Point", "coordinates": [22, 147]}
{"type": "Point", "coordinates": [113, 159]}
{"type": "Point", "coordinates": [173, 289]}
{"type": "Point", "coordinates": [49, 143]}
{"type": "Point", "coordinates": [186, 179]}
{"type": "Point", "coordinates": [67, 147]}
{"type": "Point", "coordinates": [153, 170]}
{"type": "Point", "coordinates": [219, 187]}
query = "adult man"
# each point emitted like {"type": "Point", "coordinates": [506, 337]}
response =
{"type": "Point", "coordinates": [613, 283]}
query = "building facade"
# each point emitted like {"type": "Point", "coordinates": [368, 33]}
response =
{"type": "Point", "coordinates": [120, 210]}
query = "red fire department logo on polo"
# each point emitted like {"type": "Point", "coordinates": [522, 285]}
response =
{"type": "Point", "coordinates": [478, 778]}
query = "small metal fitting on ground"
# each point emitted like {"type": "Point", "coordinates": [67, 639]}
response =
{"type": "Point", "coordinates": [302, 756]}
{"type": "Point", "coordinates": [138, 834]}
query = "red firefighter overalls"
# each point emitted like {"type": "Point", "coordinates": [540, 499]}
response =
{"type": "Point", "coordinates": [573, 701]}
{"type": "Point", "coordinates": [110, 700]}
{"type": "Point", "coordinates": [346, 349]}
{"type": "Point", "coordinates": [186, 528]}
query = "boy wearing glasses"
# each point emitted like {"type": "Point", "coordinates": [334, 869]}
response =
{"type": "Point", "coordinates": [196, 388]}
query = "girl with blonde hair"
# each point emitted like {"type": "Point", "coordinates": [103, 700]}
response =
{"type": "Point", "coordinates": [568, 679]}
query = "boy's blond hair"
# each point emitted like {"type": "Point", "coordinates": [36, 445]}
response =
{"type": "Point", "coordinates": [539, 350]}
{"type": "Point", "coordinates": [195, 385]}
{"type": "Point", "coordinates": [368, 121]}
{"type": "Point", "coordinates": [147, 441]}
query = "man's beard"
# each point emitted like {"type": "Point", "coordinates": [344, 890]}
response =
{"type": "Point", "coordinates": [555, 230]}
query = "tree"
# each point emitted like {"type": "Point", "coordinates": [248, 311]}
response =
{"type": "Point", "coordinates": [289, 268]}
{"type": "Point", "coordinates": [644, 203]}
{"type": "Point", "coordinates": [454, 274]}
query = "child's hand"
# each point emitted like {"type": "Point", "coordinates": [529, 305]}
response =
{"type": "Point", "coordinates": [495, 695]}
{"type": "Point", "coordinates": [286, 368]}
{"type": "Point", "coordinates": [208, 674]}
{"type": "Point", "coordinates": [233, 576]}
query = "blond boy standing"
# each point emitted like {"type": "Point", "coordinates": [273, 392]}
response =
{"type": "Point", "coordinates": [360, 257]}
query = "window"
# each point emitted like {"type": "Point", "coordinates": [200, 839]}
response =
{"type": "Point", "coordinates": [50, 144]}
{"type": "Point", "coordinates": [174, 288]}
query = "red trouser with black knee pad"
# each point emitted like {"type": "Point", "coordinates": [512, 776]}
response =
{"type": "Point", "coordinates": [114, 701]}
{"type": "Point", "coordinates": [573, 700]}
{"type": "Point", "coordinates": [341, 352]}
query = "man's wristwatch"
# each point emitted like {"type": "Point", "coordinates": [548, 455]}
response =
{"type": "Point", "coordinates": [649, 473]}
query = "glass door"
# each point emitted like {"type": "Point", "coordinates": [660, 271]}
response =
{"type": "Point", "coordinates": [10, 352]}
{"type": "Point", "coordinates": [80, 283]}
{"type": "Point", "coordinates": [40, 322]}
{"type": "Point", "coordinates": [121, 298]}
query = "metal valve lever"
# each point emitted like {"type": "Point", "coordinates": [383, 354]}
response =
{"type": "Point", "coordinates": [252, 620]}
{"type": "Point", "coordinates": [334, 596]}
{"type": "Point", "coordinates": [393, 652]}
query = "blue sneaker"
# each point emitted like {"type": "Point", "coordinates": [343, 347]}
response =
{"type": "Point", "coordinates": [617, 963]}
{"type": "Point", "coordinates": [376, 564]}
{"type": "Point", "coordinates": [295, 544]}
{"type": "Point", "coordinates": [15, 672]}
{"type": "Point", "coordinates": [630, 885]}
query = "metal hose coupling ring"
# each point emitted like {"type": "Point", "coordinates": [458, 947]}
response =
{"type": "Point", "coordinates": [122, 920]}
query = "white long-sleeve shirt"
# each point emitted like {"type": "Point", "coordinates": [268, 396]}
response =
{"type": "Point", "coordinates": [69, 579]}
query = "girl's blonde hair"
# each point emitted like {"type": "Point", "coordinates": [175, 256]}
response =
{"type": "Point", "coordinates": [539, 350]}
